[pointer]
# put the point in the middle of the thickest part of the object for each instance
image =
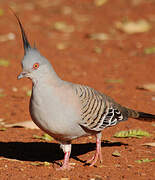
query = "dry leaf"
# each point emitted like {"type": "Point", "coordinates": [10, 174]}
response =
{"type": "Point", "coordinates": [98, 50]}
{"type": "Point", "coordinates": [29, 92]}
{"type": "Point", "coordinates": [114, 80]}
{"type": "Point", "coordinates": [149, 87]}
{"type": "Point", "coordinates": [116, 154]}
{"type": "Point", "coordinates": [149, 144]}
{"type": "Point", "coordinates": [46, 163]}
{"type": "Point", "coordinates": [150, 50]}
{"type": "Point", "coordinates": [2, 123]}
{"type": "Point", "coordinates": [1, 12]}
{"type": "Point", "coordinates": [98, 36]}
{"type": "Point", "coordinates": [40, 163]}
{"type": "Point", "coordinates": [4, 63]}
{"type": "Point", "coordinates": [63, 27]}
{"type": "Point", "coordinates": [132, 133]}
{"type": "Point", "coordinates": [61, 46]}
{"type": "Point", "coordinates": [9, 159]}
{"type": "Point", "coordinates": [99, 3]}
{"type": "Point", "coordinates": [25, 124]}
{"type": "Point", "coordinates": [36, 163]}
{"type": "Point", "coordinates": [7, 37]}
{"type": "Point", "coordinates": [145, 160]}
{"type": "Point", "coordinates": [97, 177]}
{"type": "Point", "coordinates": [3, 129]}
{"type": "Point", "coordinates": [132, 27]}
{"type": "Point", "coordinates": [72, 164]}
{"type": "Point", "coordinates": [45, 137]}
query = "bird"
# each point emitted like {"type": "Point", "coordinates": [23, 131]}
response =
{"type": "Point", "coordinates": [65, 110]}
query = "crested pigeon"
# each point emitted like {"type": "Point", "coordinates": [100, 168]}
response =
{"type": "Point", "coordinates": [67, 111]}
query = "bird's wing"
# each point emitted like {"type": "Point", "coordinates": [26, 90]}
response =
{"type": "Point", "coordinates": [98, 110]}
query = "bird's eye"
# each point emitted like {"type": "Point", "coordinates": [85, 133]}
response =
{"type": "Point", "coordinates": [36, 66]}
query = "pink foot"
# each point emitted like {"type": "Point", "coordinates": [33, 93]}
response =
{"type": "Point", "coordinates": [66, 165]}
{"type": "Point", "coordinates": [98, 153]}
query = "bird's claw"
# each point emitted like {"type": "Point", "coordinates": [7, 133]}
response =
{"type": "Point", "coordinates": [65, 167]}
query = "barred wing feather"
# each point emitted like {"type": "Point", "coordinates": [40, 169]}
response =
{"type": "Point", "coordinates": [98, 110]}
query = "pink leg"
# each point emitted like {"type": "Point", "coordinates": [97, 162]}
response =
{"type": "Point", "coordinates": [67, 150]}
{"type": "Point", "coordinates": [98, 153]}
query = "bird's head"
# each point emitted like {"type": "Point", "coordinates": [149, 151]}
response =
{"type": "Point", "coordinates": [34, 65]}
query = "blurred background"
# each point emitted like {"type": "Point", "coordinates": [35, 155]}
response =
{"type": "Point", "coordinates": [106, 44]}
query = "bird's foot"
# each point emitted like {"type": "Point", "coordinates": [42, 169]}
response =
{"type": "Point", "coordinates": [94, 159]}
{"type": "Point", "coordinates": [98, 153]}
{"type": "Point", "coordinates": [67, 166]}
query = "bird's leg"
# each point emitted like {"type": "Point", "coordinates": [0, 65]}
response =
{"type": "Point", "coordinates": [98, 153]}
{"type": "Point", "coordinates": [67, 151]}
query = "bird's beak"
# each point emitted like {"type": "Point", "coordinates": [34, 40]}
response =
{"type": "Point", "coordinates": [22, 75]}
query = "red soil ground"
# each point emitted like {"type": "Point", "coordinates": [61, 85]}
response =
{"type": "Point", "coordinates": [120, 58]}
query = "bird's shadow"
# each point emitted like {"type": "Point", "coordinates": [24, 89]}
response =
{"type": "Point", "coordinates": [43, 151]}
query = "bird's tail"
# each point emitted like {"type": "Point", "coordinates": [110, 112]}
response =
{"type": "Point", "coordinates": [140, 115]}
{"type": "Point", "coordinates": [146, 116]}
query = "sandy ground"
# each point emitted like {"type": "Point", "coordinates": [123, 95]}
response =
{"type": "Point", "coordinates": [115, 66]}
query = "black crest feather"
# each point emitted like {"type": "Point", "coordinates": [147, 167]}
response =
{"type": "Point", "coordinates": [26, 43]}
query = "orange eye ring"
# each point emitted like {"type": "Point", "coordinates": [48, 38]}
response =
{"type": "Point", "coordinates": [36, 66]}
